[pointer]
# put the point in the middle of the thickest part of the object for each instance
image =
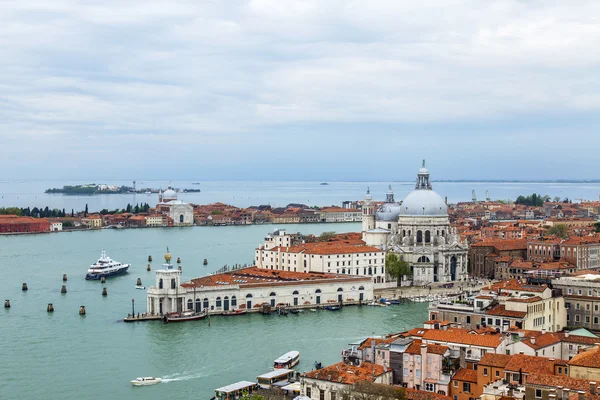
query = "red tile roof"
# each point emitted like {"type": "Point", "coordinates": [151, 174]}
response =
{"type": "Point", "coordinates": [465, 375]}
{"type": "Point", "coordinates": [495, 360]}
{"type": "Point", "coordinates": [501, 311]}
{"type": "Point", "coordinates": [413, 394]}
{"type": "Point", "coordinates": [530, 364]}
{"type": "Point", "coordinates": [553, 381]}
{"type": "Point", "coordinates": [462, 336]}
{"type": "Point", "coordinates": [347, 373]}
{"type": "Point", "coordinates": [589, 358]}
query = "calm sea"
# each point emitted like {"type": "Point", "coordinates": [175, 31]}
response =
{"type": "Point", "coordinates": [248, 193]}
{"type": "Point", "coordinates": [65, 356]}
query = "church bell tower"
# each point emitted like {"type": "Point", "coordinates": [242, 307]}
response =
{"type": "Point", "coordinates": [368, 213]}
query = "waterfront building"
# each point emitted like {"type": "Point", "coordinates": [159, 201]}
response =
{"type": "Point", "coordinates": [179, 212]}
{"type": "Point", "coordinates": [251, 288]}
{"type": "Point", "coordinates": [17, 224]}
{"type": "Point", "coordinates": [344, 257]}
{"type": "Point", "coordinates": [156, 220]}
{"type": "Point", "coordinates": [506, 304]}
{"type": "Point", "coordinates": [419, 231]}
{"type": "Point", "coordinates": [92, 221]}
{"type": "Point", "coordinates": [339, 214]}
{"type": "Point", "coordinates": [56, 226]}
{"type": "Point", "coordinates": [582, 299]}
{"type": "Point", "coordinates": [330, 383]}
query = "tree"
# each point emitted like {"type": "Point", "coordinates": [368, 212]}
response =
{"type": "Point", "coordinates": [556, 199]}
{"type": "Point", "coordinates": [128, 209]}
{"type": "Point", "coordinates": [597, 226]}
{"type": "Point", "coordinates": [326, 236]}
{"type": "Point", "coordinates": [395, 267]}
{"type": "Point", "coordinates": [365, 390]}
{"type": "Point", "coordinates": [72, 212]}
{"type": "Point", "coordinates": [560, 230]}
{"type": "Point", "coordinates": [85, 213]}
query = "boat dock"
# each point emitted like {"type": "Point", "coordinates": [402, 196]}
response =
{"type": "Point", "coordinates": [142, 317]}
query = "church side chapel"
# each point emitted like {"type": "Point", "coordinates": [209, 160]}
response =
{"type": "Point", "coordinates": [419, 231]}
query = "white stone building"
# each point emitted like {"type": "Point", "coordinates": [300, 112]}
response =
{"type": "Point", "coordinates": [419, 231]}
{"type": "Point", "coordinates": [181, 213]}
{"type": "Point", "coordinates": [250, 288]}
{"type": "Point", "coordinates": [335, 257]}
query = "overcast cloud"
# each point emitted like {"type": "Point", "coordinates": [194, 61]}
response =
{"type": "Point", "coordinates": [275, 89]}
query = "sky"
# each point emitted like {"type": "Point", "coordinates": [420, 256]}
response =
{"type": "Point", "coordinates": [299, 90]}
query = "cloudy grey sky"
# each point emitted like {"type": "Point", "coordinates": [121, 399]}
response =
{"type": "Point", "coordinates": [300, 90]}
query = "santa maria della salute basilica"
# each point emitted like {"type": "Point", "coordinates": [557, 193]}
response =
{"type": "Point", "coordinates": [418, 230]}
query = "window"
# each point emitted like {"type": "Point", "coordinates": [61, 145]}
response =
{"type": "Point", "coordinates": [332, 395]}
{"type": "Point", "coordinates": [308, 392]}
{"type": "Point", "coordinates": [577, 318]}
{"type": "Point", "coordinates": [406, 358]}
{"type": "Point", "coordinates": [595, 320]}
{"type": "Point", "coordinates": [468, 319]}
{"type": "Point", "coordinates": [485, 372]}
{"type": "Point", "coordinates": [538, 393]}
{"type": "Point", "coordinates": [577, 306]}
{"type": "Point", "coordinates": [466, 387]}
{"type": "Point", "coordinates": [455, 384]}
{"type": "Point", "coordinates": [567, 305]}
{"type": "Point", "coordinates": [587, 307]}
{"type": "Point", "coordinates": [418, 373]}
{"type": "Point", "coordinates": [429, 387]}
{"type": "Point", "coordinates": [218, 302]}
{"type": "Point", "coordinates": [321, 395]}
{"type": "Point", "coordinates": [497, 374]}
{"type": "Point", "coordinates": [173, 284]}
{"type": "Point", "coordinates": [405, 371]}
{"type": "Point", "coordinates": [560, 370]}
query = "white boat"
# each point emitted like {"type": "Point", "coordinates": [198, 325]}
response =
{"type": "Point", "coordinates": [145, 381]}
{"type": "Point", "coordinates": [287, 361]}
{"type": "Point", "coordinates": [105, 267]}
{"type": "Point", "coordinates": [141, 287]}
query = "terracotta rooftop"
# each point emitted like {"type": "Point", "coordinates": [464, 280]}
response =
{"type": "Point", "coordinates": [541, 341]}
{"type": "Point", "coordinates": [515, 284]}
{"type": "Point", "coordinates": [346, 373]}
{"type": "Point", "coordinates": [495, 360]}
{"type": "Point", "coordinates": [553, 381]}
{"type": "Point", "coordinates": [328, 248]}
{"type": "Point", "coordinates": [501, 311]}
{"type": "Point", "coordinates": [413, 394]}
{"type": "Point", "coordinates": [531, 299]}
{"type": "Point", "coordinates": [462, 336]}
{"type": "Point", "coordinates": [589, 358]}
{"type": "Point", "coordinates": [255, 277]}
{"type": "Point", "coordinates": [465, 375]}
{"type": "Point", "coordinates": [367, 343]}
{"type": "Point", "coordinates": [503, 244]}
{"type": "Point", "coordinates": [531, 364]}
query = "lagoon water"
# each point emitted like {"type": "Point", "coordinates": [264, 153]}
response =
{"type": "Point", "coordinates": [65, 356]}
{"type": "Point", "coordinates": [277, 194]}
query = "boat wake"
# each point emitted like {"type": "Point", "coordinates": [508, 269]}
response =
{"type": "Point", "coordinates": [181, 377]}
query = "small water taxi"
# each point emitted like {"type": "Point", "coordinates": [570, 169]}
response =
{"type": "Point", "coordinates": [183, 317]}
{"type": "Point", "coordinates": [332, 308]}
{"type": "Point", "coordinates": [145, 381]}
{"type": "Point", "coordinates": [141, 287]}
{"type": "Point", "coordinates": [287, 361]}
{"type": "Point", "coordinates": [278, 377]}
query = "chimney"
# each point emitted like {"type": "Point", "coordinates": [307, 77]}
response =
{"type": "Point", "coordinates": [543, 330]}
{"type": "Point", "coordinates": [559, 392]}
{"type": "Point", "coordinates": [592, 387]}
{"type": "Point", "coordinates": [567, 334]}
{"type": "Point", "coordinates": [566, 393]}
{"type": "Point", "coordinates": [581, 395]}
{"type": "Point", "coordinates": [532, 340]}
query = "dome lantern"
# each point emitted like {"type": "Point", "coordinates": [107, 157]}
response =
{"type": "Point", "coordinates": [423, 201]}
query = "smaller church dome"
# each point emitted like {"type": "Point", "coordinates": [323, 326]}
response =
{"type": "Point", "coordinates": [390, 210]}
{"type": "Point", "coordinates": [169, 194]}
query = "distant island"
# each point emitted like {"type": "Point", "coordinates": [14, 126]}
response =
{"type": "Point", "coordinates": [93, 189]}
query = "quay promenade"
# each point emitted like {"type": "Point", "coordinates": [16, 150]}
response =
{"type": "Point", "coordinates": [408, 292]}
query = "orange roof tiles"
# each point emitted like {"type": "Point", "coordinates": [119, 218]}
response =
{"type": "Point", "coordinates": [530, 364]}
{"type": "Point", "coordinates": [515, 284]}
{"type": "Point", "coordinates": [328, 248]}
{"type": "Point", "coordinates": [558, 380]}
{"type": "Point", "coordinates": [589, 358]}
{"type": "Point", "coordinates": [367, 343]}
{"type": "Point", "coordinates": [462, 336]}
{"type": "Point", "coordinates": [501, 311]}
{"type": "Point", "coordinates": [495, 360]}
{"type": "Point", "coordinates": [413, 394]}
{"type": "Point", "coordinates": [465, 375]}
{"type": "Point", "coordinates": [346, 373]}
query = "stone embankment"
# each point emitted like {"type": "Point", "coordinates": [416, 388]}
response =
{"type": "Point", "coordinates": [406, 292]}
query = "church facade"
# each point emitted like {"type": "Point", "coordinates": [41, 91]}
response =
{"type": "Point", "coordinates": [419, 231]}
{"type": "Point", "coordinates": [180, 213]}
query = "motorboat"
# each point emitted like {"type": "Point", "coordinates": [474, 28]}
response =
{"type": "Point", "coordinates": [141, 287]}
{"type": "Point", "coordinates": [145, 381]}
{"type": "Point", "coordinates": [287, 361]}
{"type": "Point", "coordinates": [233, 313]}
{"type": "Point", "coordinates": [105, 267]}
{"type": "Point", "coordinates": [183, 317]}
{"type": "Point", "coordinates": [332, 308]}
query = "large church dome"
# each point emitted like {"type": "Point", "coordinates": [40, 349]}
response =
{"type": "Point", "coordinates": [389, 210]}
{"type": "Point", "coordinates": [423, 201]}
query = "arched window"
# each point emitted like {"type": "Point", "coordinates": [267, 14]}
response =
{"type": "Point", "coordinates": [340, 290]}
{"type": "Point", "coordinates": [295, 293]}
{"type": "Point", "coordinates": [361, 288]}
{"type": "Point", "coordinates": [375, 270]}
{"type": "Point", "coordinates": [218, 302]}
{"type": "Point", "coordinates": [272, 294]}
{"type": "Point", "coordinates": [160, 283]}
{"type": "Point", "coordinates": [343, 270]}
{"type": "Point", "coordinates": [318, 291]}
{"type": "Point", "coordinates": [370, 271]}
{"type": "Point", "coordinates": [423, 259]}
{"type": "Point", "coordinates": [403, 232]}
{"type": "Point", "coordinates": [190, 304]}
{"type": "Point", "coordinates": [181, 218]}
{"type": "Point", "coordinates": [198, 305]}
{"type": "Point", "coordinates": [173, 284]}
{"type": "Point", "coordinates": [233, 301]}
{"type": "Point", "coordinates": [427, 237]}
{"type": "Point", "coordinates": [248, 296]}
{"type": "Point", "coordinates": [419, 236]}
{"type": "Point", "coordinates": [205, 303]}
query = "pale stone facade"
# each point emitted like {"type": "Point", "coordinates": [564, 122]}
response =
{"type": "Point", "coordinates": [419, 231]}
{"type": "Point", "coordinates": [181, 213]}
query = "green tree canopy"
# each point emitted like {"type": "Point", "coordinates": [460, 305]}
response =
{"type": "Point", "coordinates": [326, 236]}
{"type": "Point", "coordinates": [395, 267]}
{"type": "Point", "coordinates": [560, 230]}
